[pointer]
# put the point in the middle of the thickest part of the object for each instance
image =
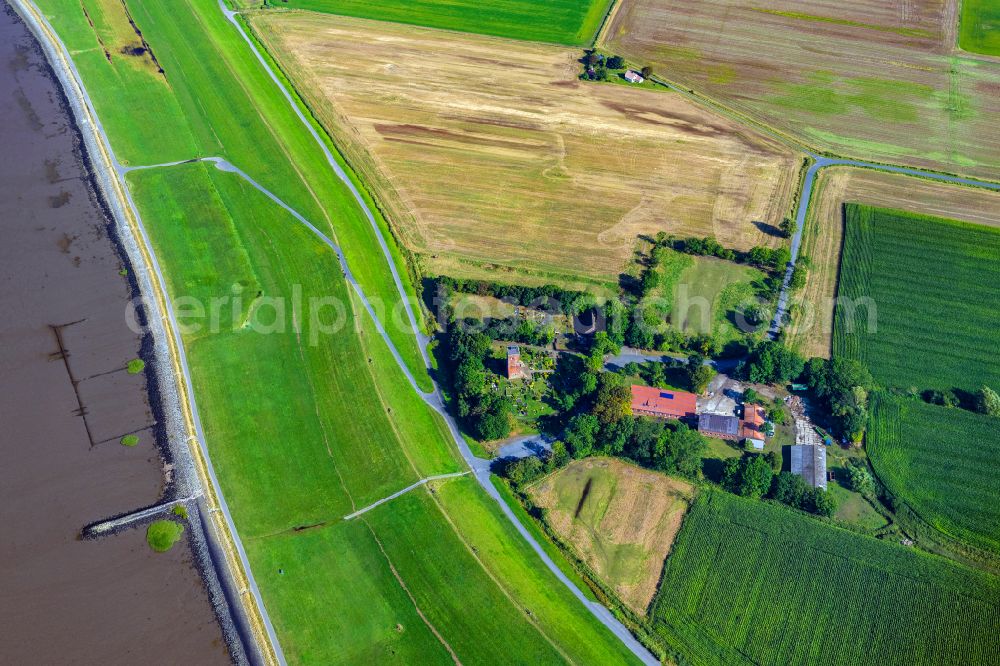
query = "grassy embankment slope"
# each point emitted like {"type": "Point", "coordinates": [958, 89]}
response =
{"type": "Point", "coordinates": [753, 582]}
{"type": "Point", "coordinates": [162, 117]}
{"type": "Point", "coordinates": [570, 22]}
{"type": "Point", "coordinates": [936, 286]}
{"type": "Point", "coordinates": [302, 433]}
{"type": "Point", "coordinates": [811, 330]}
{"type": "Point", "coordinates": [483, 151]}
{"type": "Point", "coordinates": [807, 72]}
{"type": "Point", "coordinates": [979, 27]}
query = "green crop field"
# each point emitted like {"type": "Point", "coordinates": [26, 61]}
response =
{"type": "Point", "coordinates": [943, 463]}
{"type": "Point", "coordinates": [306, 415]}
{"type": "Point", "coordinates": [570, 22]}
{"type": "Point", "coordinates": [756, 583]}
{"type": "Point", "coordinates": [979, 26]}
{"type": "Point", "coordinates": [935, 289]}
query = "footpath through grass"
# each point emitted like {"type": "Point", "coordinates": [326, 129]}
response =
{"type": "Point", "coordinates": [570, 22]}
{"type": "Point", "coordinates": [306, 415]}
{"type": "Point", "coordinates": [753, 582]}
{"type": "Point", "coordinates": [979, 27]}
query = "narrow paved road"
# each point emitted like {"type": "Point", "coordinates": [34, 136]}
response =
{"type": "Point", "coordinates": [110, 173]}
{"type": "Point", "coordinates": [433, 398]}
{"type": "Point", "coordinates": [820, 162]}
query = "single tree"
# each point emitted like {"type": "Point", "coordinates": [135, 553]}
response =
{"type": "Point", "coordinates": [861, 480]}
{"type": "Point", "coordinates": [988, 402]}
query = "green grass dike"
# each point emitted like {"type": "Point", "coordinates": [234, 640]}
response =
{"type": "Point", "coordinates": [307, 416]}
{"type": "Point", "coordinates": [198, 91]}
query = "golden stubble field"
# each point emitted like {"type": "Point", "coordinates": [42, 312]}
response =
{"type": "Point", "coordinates": [812, 325]}
{"type": "Point", "coordinates": [492, 159]}
{"type": "Point", "coordinates": [619, 518]}
{"type": "Point", "coordinates": [873, 79]}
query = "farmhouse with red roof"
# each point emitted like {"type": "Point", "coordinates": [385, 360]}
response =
{"type": "Point", "coordinates": [660, 403]}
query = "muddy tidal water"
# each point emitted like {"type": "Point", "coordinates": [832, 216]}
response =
{"type": "Point", "coordinates": [66, 400]}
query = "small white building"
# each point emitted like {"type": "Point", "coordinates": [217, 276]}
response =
{"type": "Point", "coordinates": [633, 76]}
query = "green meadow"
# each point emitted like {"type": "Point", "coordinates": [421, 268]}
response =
{"type": "Point", "coordinates": [306, 414]}
{"type": "Point", "coordinates": [750, 582]}
{"type": "Point", "coordinates": [277, 379]}
{"type": "Point", "coordinates": [569, 22]}
{"type": "Point", "coordinates": [979, 27]}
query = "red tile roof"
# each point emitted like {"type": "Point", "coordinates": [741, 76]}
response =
{"type": "Point", "coordinates": [753, 421]}
{"type": "Point", "coordinates": [651, 401]}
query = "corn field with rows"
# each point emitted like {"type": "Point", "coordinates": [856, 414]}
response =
{"type": "Point", "coordinates": [919, 299]}
{"type": "Point", "coordinates": [752, 582]}
{"type": "Point", "coordinates": [943, 462]}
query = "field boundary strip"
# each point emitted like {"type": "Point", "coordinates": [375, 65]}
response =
{"type": "Point", "coordinates": [123, 208]}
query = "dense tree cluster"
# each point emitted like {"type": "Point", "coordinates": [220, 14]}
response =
{"type": "Point", "coordinates": [753, 476]}
{"type": "Point", "coordinates": [772, 363]}
{"type": "Point", "coordinates": [517, 330]}
{"type": "Point", "coordinates": [988, 402]}
{"type": "Point", "coordinates": [603, 424]}
{"type": "Point", "coordinates": [522, 471]}
{"type": "Point", "coordinates": [792, 489]}
{"type": "Point", "coordinates": [749, 476]}
{"type": "Point", "coordinates": [860, 479]}
{"type": "Point", "coordinates": [544, 297]}
{"type": "Point", "coordinates": [769, 258]}
{"type": "Point", "coordinates": [485, 413]}
{"type": "Point", "coordinates": [842, 387]}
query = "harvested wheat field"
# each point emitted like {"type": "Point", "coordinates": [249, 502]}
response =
{"type": "Point", "coordinates": [812, 324]}
{"type": "Point", "coordinates": [619, 518]}
{"type": "Point", "coordinates": [872, 79]}
{"type": "Point", "coordinates": [490, 154]}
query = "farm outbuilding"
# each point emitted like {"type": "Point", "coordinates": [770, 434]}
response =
{"type": "Point", "coordinates": [723, 426]}
{"type": "Point", "coordinates": [634, 77]}
{"type": "Point", "coordinates": [809, 462]}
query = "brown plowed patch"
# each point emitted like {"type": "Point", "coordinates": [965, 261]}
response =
{"type": "Point", "coordinates": [619, 518]}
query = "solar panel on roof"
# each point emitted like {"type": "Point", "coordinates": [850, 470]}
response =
{"type": "Point", "coordinates": [668, 396]}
